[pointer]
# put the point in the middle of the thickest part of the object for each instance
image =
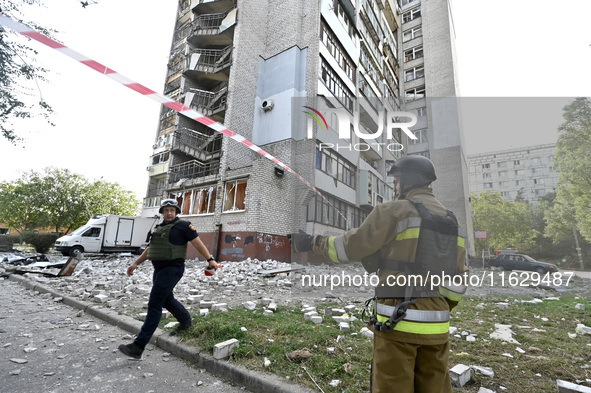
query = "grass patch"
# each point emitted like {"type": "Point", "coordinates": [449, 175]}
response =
{"type": "Point", "coordinates": [549, 351]}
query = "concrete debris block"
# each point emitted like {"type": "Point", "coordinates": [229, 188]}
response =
{"type": "Point", "coordinates": [19, 361]}
{"type": "Point", "coordinates": [568, 387]}
{"type": "Point", "coordinates": [308, 316]}
{"type": "Point", "coordinates": [460, 374]}
{"type": "Point", "coordinates": [486, 371]}
{"type": "Point", "coordinates": [366, 332]}
{"type": "Point", "coordinates": [171, 324]}
{"type": "Point", "coordinates": [266, 362]}
{"type": "Point", "coordinates": [113, 303]}
{"type": "Point", "coordinates": [306, 309]}
{"type": "Point", "coordinates": [338, 311]}
{"type": "Point", "coordinates": [344, 327]}
{"type": "Point", "coordinates": [328, 311]}
{"type": "Point", "coordinates": [481, 306]}
{"type": "Point", "coordinates": [582, 329]}
{"type": "Point", "coordinates": [225, 349]}
{"type": "Point", "coordinates": [341, 319]}
{"type": "Point", "coordinates": [249, 305]}
{"type": "Point", "coordinates": [350, 308]}
{"type": "Point", "coordinates": [330, 351]}
{"type": "Point", "coordinates": [334, 383]}
{"type": "Point", "coordinates": [519, 350]}
{"type": "Point", "coordinates": [272, 306]}
{"type": "Point", "coordinates": [101, 298]}
{"type": "Point", "coordinates": [206, 304]}
{"type": "Point", "coordinates": [485, 390]}
{"type": "Point", "coordinates": [471, 338]}
{"type": "Point", "coordinates": [504, 332]}
{"type": "Point", "coordinates": [268, 312]}
{"type": "Point", "coordinates": [453, 331]}
{"type": "Point", "coordinates": [580, 306]}
{"type": "Point", "coordinates": [503, 306]}
{"type": "Point", "coordinates": [266, 301]}
{"type": "Point", "coordinates": [219, 307]}
{"type": "Point", "coordinates": [203, 312]}
{"type": "Point", "coordinates": [317, 319]}
{"type": "Point", "coordinates": [508, 355]}
{"type": "Point", "coordinates": [141, 316]}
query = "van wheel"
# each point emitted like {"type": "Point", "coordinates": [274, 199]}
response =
{"type": "Point", "coordinates": [74, 251]}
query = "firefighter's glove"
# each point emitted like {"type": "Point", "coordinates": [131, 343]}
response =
{"type": "Point", "coordinates": [301, 242]}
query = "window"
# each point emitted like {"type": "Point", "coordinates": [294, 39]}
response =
{"type": "Point", "coordinates": [503, 174]}
{"type": "Point", "coordinates": [405, 2]}
{"type": "Point", "coordinates": [414, 73]}
{"type": "Point", "coordinates": [325, 212]}
{"type": "Point", "coordinates": [415, 94]}
{"type": "Point", "coordinates": [517, 162]}
{"type": "Point", "coordinates": [504, 184]}
{"type": "Point", "coordinates": [337, 51]}
{"type": "Point", "coordinates": [413, 53]}
{"type": "Point", "coordinates": [421, 137]}
{"type": "Point", "coordinates": [520, 183]}
{"type": "Point", "coordinates": [203, 200]}
{"type": "Point", "coordinates": [486, 176]}
{"type": "Point", "coordinates": [540, 192]}
{"type": "Point", "coordinates": [336, 86]}
{"type": "Point", "coordinates": [487, 185]}
{"type": "Point", "coordinates": [485, 166]}
{"type": "Point", "coordinates": [160, 158]}
{"type": "Point", "coordinates": [422, 111]}
{"type": "Point", "coordinates": [411, 34]}
{"type": "Point", "coordinates": [539, 181]}
{"type": "Point", "coordinates": [92, 232]}
{"type": "Point", "coordinates": [536, 170]}
{"type": "Point", "coordinates": [505, 194]}
{"type": "Point", "coordinates": [502, 164]}
{"type": "Point", "coordinates": [344, 19]}
{"type": "Point", "coordinates": [335, 166]}
{"type": "Point", "coordinates": [412, 14]}
{"type": "Point", "coordinates": [234, 195]}
{"type": "Point", "coordinates": [520, 172]}
{"type": "Point", "coordinates": [536, 160]}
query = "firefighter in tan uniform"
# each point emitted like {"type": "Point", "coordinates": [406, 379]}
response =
{"type": "Point", "coordinates": [412, 236]}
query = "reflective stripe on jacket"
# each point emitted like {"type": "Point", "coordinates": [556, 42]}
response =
{"type": "Point", "coordinates": [390, 233]}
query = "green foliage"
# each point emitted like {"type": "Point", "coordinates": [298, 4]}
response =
{"type": "Point", "coordinates": [574, 163]}
{"type": "Point", "coordinates": [41, 241]}
{"type": "Point", "coordinates": [17, 63]}
{"type": "Point", "coordinates": [507, 224]}
{"type": "Point", "coordinates": [60, 200]}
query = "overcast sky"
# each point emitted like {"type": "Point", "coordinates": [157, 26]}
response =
{"type": "Point", "coordinates": [525, 48]}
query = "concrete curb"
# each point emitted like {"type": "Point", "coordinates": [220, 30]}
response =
{"type": "Point", "coordinates": [238, 375]}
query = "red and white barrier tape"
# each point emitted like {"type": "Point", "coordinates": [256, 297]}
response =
{"type": "Point", "coordinates": [164, 100]}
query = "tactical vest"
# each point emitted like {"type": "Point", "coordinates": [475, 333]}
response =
{"type": "Point", "coordinates": [161, 249]}
{"type": "Point", "coordinates": [437, 253]}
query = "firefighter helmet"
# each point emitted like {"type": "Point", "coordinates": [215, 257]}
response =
{"type": "Point", "coordinates": [170, 202]}
{"type": "Point", "coordinates": [413, 170]}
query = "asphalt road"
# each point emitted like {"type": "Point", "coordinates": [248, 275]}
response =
{"type": "Point", "coordinates": [47, 346]}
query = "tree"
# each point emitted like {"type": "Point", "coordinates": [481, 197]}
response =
{"type": "Point", "coordinates": [17, 62]}
{"type": "Point", "coordinates": [60, 200]}
{"type": "Point", "coordinates": [507, 224]}
{"type": "Point", "coordinates": [573, 161]}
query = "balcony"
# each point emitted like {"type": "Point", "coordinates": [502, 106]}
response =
{"type": "Point", "coordinates": [208, 103]}
{"type": "Point", "coordinates": [191, 170]}
{"type": "Point", "coordinates": [213, 6]}
{"type": "Point", "coordinates": [196, 144]}
{"type": "Point", "coordinates": [209, 64]}
{"type": "Point", "coordinates": [209, 30]}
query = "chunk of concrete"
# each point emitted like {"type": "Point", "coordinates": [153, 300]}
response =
{"type": "Point", "coordinates": [485, 390]}
{"type": "Point", "coordinates": [568, 387]}
{"type": "Point", "coordinates": [317, 319]}
{"type": "Point", "coordinates": [225, 349]}
{"type": "Point", "coordinates": [504, 332]}
{"type": "Point", "coordinates": [486, 371]}
{"type": "Point", "coordinates": [344, 327]}
{"type": "Point", "coordinates": [249, 305]}
{"type": "Point", "coordinates": [460, 374]}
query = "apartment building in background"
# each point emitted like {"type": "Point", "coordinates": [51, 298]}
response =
{"type": "Point", "coordinates": [267, 69]}
{"type": "Point", "coordinates": [526, 172]}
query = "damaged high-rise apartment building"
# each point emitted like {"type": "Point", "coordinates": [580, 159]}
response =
{"type": "Point", "coordinates": [316, 84]}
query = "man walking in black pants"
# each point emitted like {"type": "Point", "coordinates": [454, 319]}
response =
{"type": "Point", "coordinates": [167, 251]}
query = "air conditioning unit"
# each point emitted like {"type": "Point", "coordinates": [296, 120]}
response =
{"type": "Point", "coordinates": [267, 104]}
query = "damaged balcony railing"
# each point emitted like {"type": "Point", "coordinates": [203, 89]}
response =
{"type": "Point", "coordinates": [207, 102]}
{"type": "Point", "coordinates": [209, 23]}
{"type": "Point", "coordinates": [192, 169]}
{"type": "Point", "coordinates": [209, 60]}
{"type": "Point", "coordinates": [209, 144]}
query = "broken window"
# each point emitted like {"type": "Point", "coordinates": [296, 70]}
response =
{"type": "Point", "coordinates": [235, 195]}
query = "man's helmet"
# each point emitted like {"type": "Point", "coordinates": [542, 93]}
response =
{"type": "Point", "coordinates": [170, 202]}
{"type": "Point", "coordinates": [413, 170]}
